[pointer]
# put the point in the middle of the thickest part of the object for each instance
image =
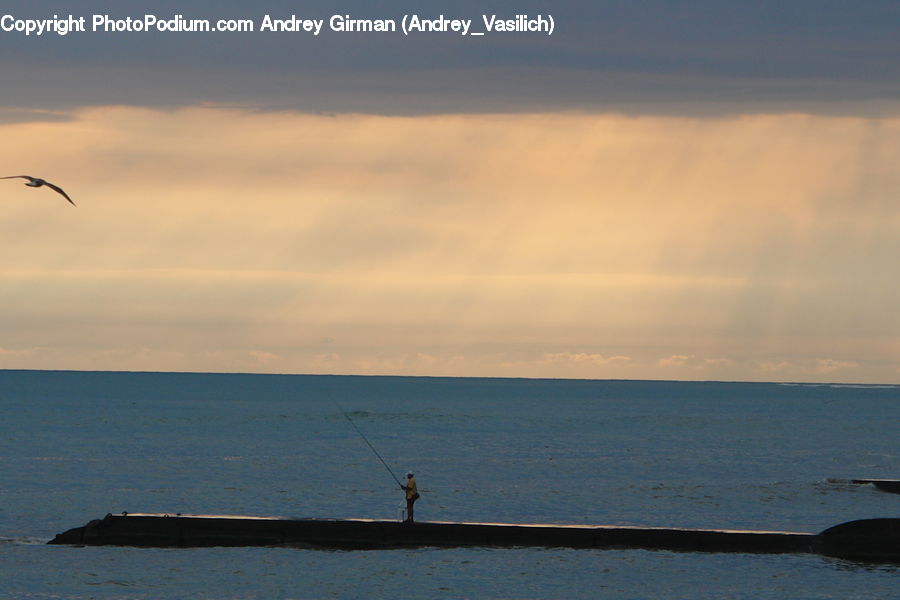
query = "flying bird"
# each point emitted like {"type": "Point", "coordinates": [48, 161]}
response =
{"type": "Point", "coordinates": [38, 182]}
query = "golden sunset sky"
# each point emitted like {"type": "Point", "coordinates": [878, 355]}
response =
{"type": "Point", "coordinates": [550, 240]}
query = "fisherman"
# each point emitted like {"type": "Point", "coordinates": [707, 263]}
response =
{"type": "Point", "coordinates": [412, 494]}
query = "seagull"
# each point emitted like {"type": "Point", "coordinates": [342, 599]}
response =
{"type": "Point", "coordinates": [38, 182]}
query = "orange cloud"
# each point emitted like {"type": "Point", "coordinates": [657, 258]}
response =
{"type": "Point", "coordinates": [222, 239]}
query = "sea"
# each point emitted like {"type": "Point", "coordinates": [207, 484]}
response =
{"type": "Point", "coordinates": [75, 446]}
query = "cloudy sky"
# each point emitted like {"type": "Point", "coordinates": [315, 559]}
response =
{"type": "Point", "coordinates": [658, 189]}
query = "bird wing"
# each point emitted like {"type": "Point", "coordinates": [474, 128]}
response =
{"type": "Point", "coordinates": [56, 188]}
{"type": "Point", "coordinates": [28, 177]}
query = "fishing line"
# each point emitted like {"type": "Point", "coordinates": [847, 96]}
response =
{"type": "Point", "coordinates": [365, 439]}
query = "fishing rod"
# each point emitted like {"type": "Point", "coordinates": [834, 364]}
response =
{"type": "Point", "coordinates": [365, 439]}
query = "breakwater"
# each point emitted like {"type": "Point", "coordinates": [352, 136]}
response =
{"type": "Point", "coordinates": [877, 539]}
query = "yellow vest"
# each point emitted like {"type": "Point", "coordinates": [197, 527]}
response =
{"type": "Point", "coordinates": [410, 487]}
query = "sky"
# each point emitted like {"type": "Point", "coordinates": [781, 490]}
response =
{"type": "Point", "coordinates": [654, 190]}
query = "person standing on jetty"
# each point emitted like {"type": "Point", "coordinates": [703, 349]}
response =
{"type": "Point", "coordinates": [412, 494]}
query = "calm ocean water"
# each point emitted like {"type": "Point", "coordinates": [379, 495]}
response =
{"type": "Point", "coordinates": [75, 446]}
